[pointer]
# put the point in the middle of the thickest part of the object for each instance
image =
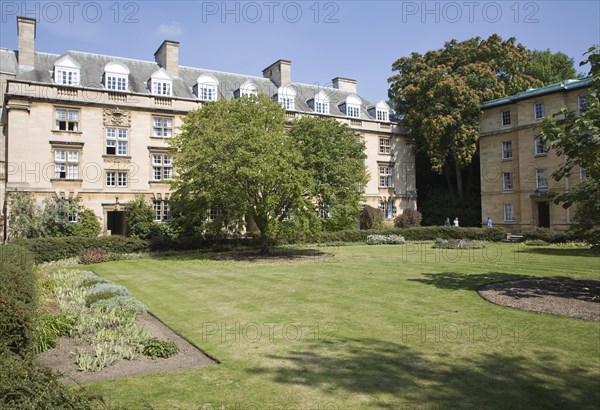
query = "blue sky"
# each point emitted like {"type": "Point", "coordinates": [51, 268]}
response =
{"type": "Point", "coordinates": [323, 39]}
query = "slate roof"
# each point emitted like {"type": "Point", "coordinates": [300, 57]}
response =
{"type": "Point", "coordinates": [552, 88]}
{"type": "Point", "coordinates": [92, 71]}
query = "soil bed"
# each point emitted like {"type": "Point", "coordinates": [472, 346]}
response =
{"type": "Point", "coordinates": [558, 296]}
{"type": "Point", "coordinates": [189, 356]}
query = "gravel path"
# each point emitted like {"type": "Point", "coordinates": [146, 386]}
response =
{"type": "Point", "coordinates": [558, 296]}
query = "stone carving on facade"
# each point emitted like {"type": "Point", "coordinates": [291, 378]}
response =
{"type": "Point", "coordinates": [117, 117]}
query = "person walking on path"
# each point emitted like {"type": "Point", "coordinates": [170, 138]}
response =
{"type": "Point", "coordinates": [447, 222]}
{"type": "Point", "coordinates": [456, 222]}
{"type": "Point", "coordinates": [490, 224]}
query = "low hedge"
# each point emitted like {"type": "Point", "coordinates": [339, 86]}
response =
{"type": "Point", "coordinates": [550, 236]}
{"type": "Point", "coordinates": [54, 249]}
{"type": "Point", "coordinates": [422, 233]}
{"type": "Point", "coordinates": [17, 298]}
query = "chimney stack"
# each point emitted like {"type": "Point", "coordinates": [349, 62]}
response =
{"type": "Point", "coordinates": [167, 56]}
{"type": "Point", "coordinates": [280, 72]}
{"type": "Point", "coordinates": [26, 35]}
{"type": "Point", "coordinates": [344, 84]}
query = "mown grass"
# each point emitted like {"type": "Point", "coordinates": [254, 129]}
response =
{"type": "Point", "coordinates": [364, 327]}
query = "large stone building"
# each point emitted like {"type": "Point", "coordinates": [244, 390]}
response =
{"type": "Point", "coordinates": [96, 127]}
{"type": "Point", "coordinates": [516, 166]}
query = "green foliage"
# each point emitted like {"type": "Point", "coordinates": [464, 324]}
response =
{"type": "Point", "coordinates": [94, 255]}
{"type": "Point", "coordinates": [49, 327]}
{"type": "Point", "coordinates": [234, 155]}
{"type": "Point", "coordinates": [440, 93]}
{"type": "Point", "coordinates": [24, 216]}
{"type": "Point", "coordinates": [54, 249]}
{"type": "Point", "coordinates": [122, 303]}
{"type": "Point", "coordinates": [88, 224]}
{"type": "Point", "coordinates": [462, 244]}
{"type": "Point", "coordinates": [155, 348]}
{"type": "Point", "coordinates": [17, 298]}
{"type": "Point", "coordinates": [550, 67]}
{"type": "Point", "coordinates": [576, 138]}
{"type": "Point", "coordinates": [408, 219]}
{"type": "Point", "coordinates": [335, 162]}
{"type": "Point", "coordinates": [26, 384]}
{"type": "Point", "coordinates": [385, 240]}
{"type": "Point", "coordinates": [550, 236]}
{"type": "Point", "coordinates": [102, 291]}
{"type": "Point", "coordinates": [422, 233]}
{"type": "Point", "coordinates": [536, 242]}
{"type": "Point", "coordinates": [371, 218]}
{"type": "Point", "coordinates": [140, 217]}
{"type": "Point", "coordinates": [55, 211]}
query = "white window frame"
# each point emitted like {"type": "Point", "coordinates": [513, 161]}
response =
{"type": "Point", "coordinates": [582, 173]}
{"type": "Point", "coordinates": [507, 181]}
{"type": "Point", "coordinates": [111, 179]}
{"type": "Point", "coordinates": [506, 150]}
{"type": "Point", "coordinates": [115, 82]}
{"type": "Point", "coordinates": [385, 146]}
{"type": "Point", "coordinates": [118, 140]}
{"type": "Point", "coordinates": [509, 213]}
{"type": "Point", "coordinates": [382, 115]}
{"type": "Point", "coordinates": [72, 216]}
{"type": "Point", "coordinates": [322, 107]}
{"type": "Point", "coordinates": [353, 111]}
{"type": "Point", "coordinates": [539, 111]}
{"type": "Point", "coordinates": [540, 147]}
{"type": "Point", "coordinates": [505, 118]}
{"type": "Point", "coordinates": [386, 176]}
{"type": "Point", "coordinates": [162, 127]}
{"type": "Point", "coordinates": [541, 180]}
{"type": "Point", "coordinates": [162, 87]}
{"type": "Point", "coordinates": [66, 71]}
{"type": "Point", "coordinates": [122, 178]}
{"type": "Point", "coordinates": [66, 162]}
{"type": "Point", "coordinates": [162, 167]}
{"type": "Point", "coordinates": [213, 213]}
{"type": "Point", "coordinates": [67, 119]}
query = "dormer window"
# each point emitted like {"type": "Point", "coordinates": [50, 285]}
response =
{"type": "Point", "coordinates": [116, 77]}
{"type": "Point", "coordinates": [206, 88]}
{"type": "Point", "coordinates": [66, 71]}
{"type": "Point", "coordinates": [352, 106]}
{"type": "Point", "coordinates": [381, 111]}
{"type": "Point", "coordinates": [248, 89]}
{"type": "Point", "coordinates": [286, 96]}
{"type": "Point", "coordinates": [161, 83]}
{"type": "Point", "coordinates": [320, 103]}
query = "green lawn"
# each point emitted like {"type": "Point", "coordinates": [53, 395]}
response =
{"type": "Point", "coordinates": [366, 327]}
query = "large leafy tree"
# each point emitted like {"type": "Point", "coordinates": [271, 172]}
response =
{"type": "Point", "coordinates": [577, 139]}
{"type": "Point", "coordinates": [439, 95]}
{"type": "Point", "coordinates": [335, 163]}
{"type": "Point", "coordinates": [550, 67]}
{"type": "Point", "coordinates": [234, 155]}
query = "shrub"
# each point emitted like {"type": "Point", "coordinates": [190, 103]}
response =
{"type": "Point", "coordinates": [371, 218]}
{"type": "Point", "coordinates": [549, 236]}
{"type": "Point", "coordinates": [536, 242]}
{"type": "Point", "coordinates": [385, 240]}
{"type": "Point", "coordinates": [154, 348]}
{"type": "Point", "coordinates": [95, 255]}
{"type": "Point", "coordinates": [408, 219]}
{"type": "Point", "coordinates": [104, 291]}
{"type": "Point", "coordinates": [26, 384]}
{"type": "Point", "coordinates": [48, 328]}
{"type": "Point", "coordinates": [17, 298]}
{"type": "Point", "coordinates": [458, 245]}
{"type": "Point", "coordinates": [140, 217]}
{"type": "Point", "coordinates": [122, 303]}
{"type": "Point", "coordinates": [87, 225]}
{"type": "Point", "coordinates": [90, 280]}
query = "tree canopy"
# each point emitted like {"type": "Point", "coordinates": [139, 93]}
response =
{"type": "Point", "coordinates": [236, 158]}
{"type": "Point", "coordinates": [577, 139]}
{"type": "Point", "coordinates": [439, 94]}
{"type": "Point", "coordinates": [551, 68]}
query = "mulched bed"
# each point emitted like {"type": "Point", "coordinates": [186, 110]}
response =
{"type": "Point", "coordinates": [558, 296]}
{"type": "Point", "coordinates": [189, 356]}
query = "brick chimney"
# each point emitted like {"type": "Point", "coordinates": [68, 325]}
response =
{"type": "Point", "coordinates": [26, 35]}
{"type": "Point", "coordinates": [167, 56]}
{"type": "Point", "coordinates": [344, 84]}
{"type": "Point", "coordinates": [280, 72]}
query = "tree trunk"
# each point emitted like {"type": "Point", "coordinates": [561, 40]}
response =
{"type": "Point", "coordinates": [459, 182]}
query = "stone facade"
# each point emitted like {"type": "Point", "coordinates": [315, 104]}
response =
{"type": "Point", "coordinates": [81, 137]}
{"type": "Point", "coordinates": [516, 167]}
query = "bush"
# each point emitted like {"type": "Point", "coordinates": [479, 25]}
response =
{"type": "Point", "coordinates": [55, 249]}
{"type": "Point", "coordinates": [87, 225]}
{"type": "Point", "coordinates": [536, 242]}
{"type": "Point", "coordinates": [26, 384]}
{"type": "Point", "coordinates": [408, 219]}
{"type": "Point", "coordinates": [122, 303]}
{"type": "Point", "coordinates": [104, 291]}
{"type": "Point", "coordinates": [385, 240]}
{"type": "Point", "coordinates": [48, 328]}
{"type": "Point", "coordinates": [95, 255]}
{"type": "Point", "coordinates": [550, 236]}
{"type": "Point", "coordinates": [371, 218]}
{"type": "Point", "coordinates": [154, 348]}
{"type": "Point", "coordinates": [458, 245]}
{"type": "Point", "coordinates": [422, 233]}
{"type": "Point", "coordinates": [17, 298]}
